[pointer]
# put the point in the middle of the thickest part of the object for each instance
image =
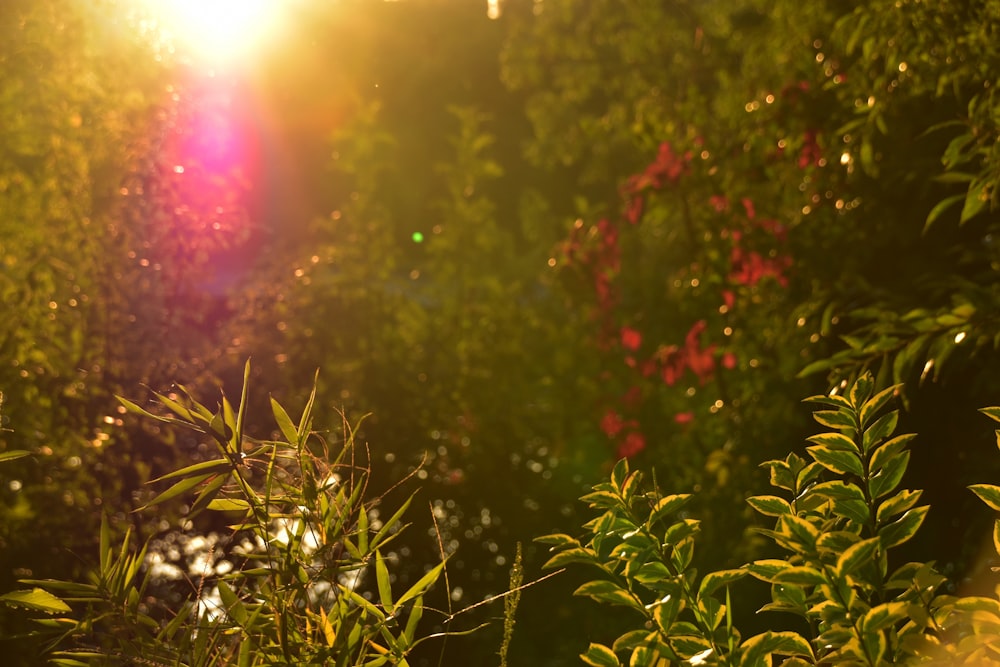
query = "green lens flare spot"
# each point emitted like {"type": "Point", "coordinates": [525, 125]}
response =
{"type": "Point", "coordinates": [418, 237]}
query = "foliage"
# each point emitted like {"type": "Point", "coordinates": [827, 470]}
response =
{"type": "Point", "coordinates": [311, 535]}
{"type": "Point", "coordinates": [839, 515]}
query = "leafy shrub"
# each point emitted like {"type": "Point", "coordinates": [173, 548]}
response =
{"type": "Point", "coordinates": [305, 507]}
{"type": "Point", "coordinates": [838, 514]}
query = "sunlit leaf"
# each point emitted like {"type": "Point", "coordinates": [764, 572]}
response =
{"type": "Point", "coordinates": [599, 655]}
{"type": "Point", "coordinates": [857, 556]}
{"type": "Point", "coordinates": [903, 528]}
{"type": "Point", "coordinates": [36, 599]}
{"type": "Point", "coordinates": [770, 505]}
{"type": "Point", "coordinates": [988, 493]}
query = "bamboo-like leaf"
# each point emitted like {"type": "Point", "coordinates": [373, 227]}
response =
{"type": "Point", "coordinates": [558, 540]}
{"type": "Point", "coordinates": [36, 599]}
{"type": "Point", "coordinates": [213, 466]}
{"type": "Point", "coordinates": [284, 423]}
{"type": "Point", "coordinates": [13, 454]}
{"type": "Point", "coordinates": [229, 505]}
{"type": "Point", "coordinates": [177, 489]}
{"type": "Point", "coordinates": [384, 587]}
{"type": "Point", "coordinates": [422, 585]}
{"type": "Point", "coordinates": [207, 494]}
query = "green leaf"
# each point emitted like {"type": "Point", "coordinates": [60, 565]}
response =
{"type": "Point", "coordinates": [770, 505]}
{"type": "Point", "coordinates": [988, 493]}
{"type": "Point", "coordinates": [881, 617]}
{"type": "Point", "coordinates": [831, 399]}
{"type": "Point", "coordinates": [896, 505]}
{"type": "Point", "coordinates": [861, 390]}
{"type": "Point", "coordinates": [232, 604]}
{"type": "Point", "coordinates": [880, 430]}
{"type": "Point", "coordinates": [975, 199]}
{"type": "Point", "coordinates": [712, 581]}
{"type": "Point", "coordinates": [887, 479]}
{"type": "Point", "coordinates": [228, 505]}
{"type": "Point", "coordinates": [875, 404]}
{"type": "Point", "coordinates": [610, 592]}
{"type": "Point", "coordinates": [667, 505]}
{"type": "Point", "coordinates": [840, 462]}
{"type": "Point", "coordinates": [284, 422]}
{"type": "Point", "coordinates": [855, 510]}
{"type": "Point", "coordinates": [799, 530]}
{"type": "Point", "coordinates": [800, 575]}
{"type": "Point", "coordinates": [836, 419]}
{"type": "Point", "coordinates": [886, 452]}
{"type": "Point", "coordinates": [835, 441]}
{"type": "Point", "coordinates": [36, 599]}
{"type": "Point", "coordinates": [213, 466]}
{"type": "Point", "coordinates": [12, 454]}
{"type": "Point", "coordinates": [837, 490]}
{"type": "Point", "coordinates": [602, 499]}
{"type": "Point", "coordinates": [599, 655]}
{"type": "Point", "coordinates": [384, 587]}
{"type": "Point", "coordinates": [177, 489]}
{"type": "Point", "coordinates": [558, 540]}
{"type": "Point", "coordinates": [992, 412]}
{"type": "Point", "coordinates": [903, 528]}
{"type": "Point", "coordinates": [767, 569]}
{"type": "Point", "coordinates": [857, 556]}
{"type": "Point", "coordinates": [422, 585]}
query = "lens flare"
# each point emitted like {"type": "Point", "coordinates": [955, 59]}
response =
{"type": "Point", "coordinates": [219, 33]}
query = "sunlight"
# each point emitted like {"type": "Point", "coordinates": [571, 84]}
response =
{"type": "Point", "coordinates": [216, 32]}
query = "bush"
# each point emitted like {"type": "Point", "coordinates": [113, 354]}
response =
{"type": "Point", "coordinates": [839, 515]}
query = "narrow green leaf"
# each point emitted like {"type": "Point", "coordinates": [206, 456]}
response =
{"type": "Point", "coordinates": [284, 423]}
{"type": "Point", "coordinates": [228, 505]}
{"type": "Point", "coordinates": [12, 454]}
{"type": "Point", "coordinates": [213, 466]}
{"type": "Point", "coordinates": [903, 528]}
{"type": "Point", "coordinates": [177, 489]}
{"type": "Point", "coordinates": [422, 585]}
{"type": "Point", "coordinates": [599, 655]}
{"type": "Point", "coordinates": [36, 599]}
{"type": "Point", "coordinates": [232, 604]}
{"type": "Point", "coordinates": [305, 422]}
{"type": "Point", "coordinates": [207, 494]}
{"type": "Point", "coordinates": [975, 200]}
{"type": "Point", "coordinates": [384, 587]}
{"type": "Point", "coordinates": [988, 493]}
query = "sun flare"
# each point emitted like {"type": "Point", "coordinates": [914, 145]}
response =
{"type": "Point", "coordinates": [218, 32]}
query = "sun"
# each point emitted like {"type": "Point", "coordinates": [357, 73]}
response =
{"type": "Point", "coordinates": [217, 32]}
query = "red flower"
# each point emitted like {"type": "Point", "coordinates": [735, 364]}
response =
{"type": "Point", "coordinates": [631, 338]}
{"type": "Point", "coordinates": [634, 443]}
{"type": "Point", "coordinates": [684, 417]}
{"type": "Point", "coordinates": [612, 423]}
